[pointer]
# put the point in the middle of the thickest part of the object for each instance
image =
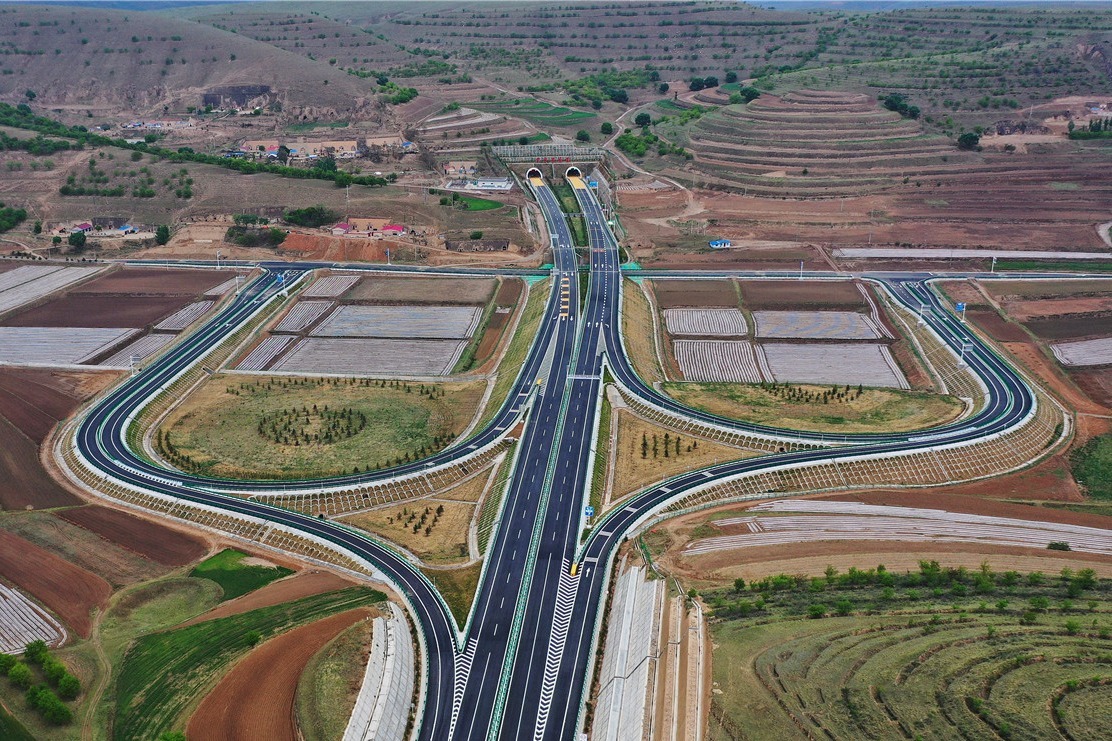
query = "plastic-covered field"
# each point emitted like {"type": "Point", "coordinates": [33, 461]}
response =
{"type": "Point", "coordinates": [706, 322]}
{"type": "Point", "coordinates": [372, 356]}
{"type": "Point", "coordinates": [853, 364]}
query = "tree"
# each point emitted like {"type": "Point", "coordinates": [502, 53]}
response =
{"type": "Point", "coordinates": [37, 229]}
{"type": "Point", "coordinates": [476, 234]}
{"type": "Point", "coordinates": [607, 128]}
{"type": "Point", "coordinates": [709, 82]}
{"type": "Point", "coordinates": [20, 675]}
{"type": "Point", "coordinates": [583, 135]}
{"type": "Point", "coordinates": [162, 234]}
{"type": "Point", "coordinates": [662, 88]}
{"type": "Point", "coordinates": [283, 154]}
{"type": "Point", "coordinates": [968, 141]}
{"type": "Point", "coordinates": [731, 76]}
{"type": "Point", "coordinates": [696, 84]}
{"type": "Point", "coordinates": [31, 95]}
{"type": "Point", "coordinates": [596, 104]}
{"type": "Point", "coordinates": [643, 119]}
{"type": "Point", "coordinates": [325, 164]}
{"type": "Point", "coordinates": [77, 240]}
{"type": "Point", "coordinates": [619, 96]}
{"type": "Point", "coordinates": [69, 687]}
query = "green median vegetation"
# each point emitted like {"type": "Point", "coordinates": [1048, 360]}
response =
{"type": "Point", "coordinates": [940, 653]}
{"type": "Point", "coordinates": [163, 674]}
{"type": "Point", "coordinates": [235, 577]}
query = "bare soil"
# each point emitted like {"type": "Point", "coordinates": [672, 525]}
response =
{"type": "Point", "coordinates": [672, 294]}
{"type": "Point", "coordinates": [779, 294]}
{"type": "Point", "coordinates": [155, 282]}
{"type": "Point", "coordinates": [98, 310]}
{"type": "Point", "coordinates": [256, 698]}
{"type": "Point", "coordinates": [1071, 326]}
{"type": "Point", "coordinates": [996, 326]}
{"type": "Point", "coordinates": [421, 290]}
{"type": "Point", "coordinates": [157, 542]}
{"type": "Point", "coordinates": [69, 591]}
{"type": "Point", "coordinates": [294, 587]}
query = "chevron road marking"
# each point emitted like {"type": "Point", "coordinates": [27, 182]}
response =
{"type": "Point", "coordinates": [561, 621]}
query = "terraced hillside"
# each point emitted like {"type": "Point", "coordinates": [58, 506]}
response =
{"type": "Point", "coordinates": [813, 144]}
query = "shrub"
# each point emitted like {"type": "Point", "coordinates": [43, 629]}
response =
{"type": "Point", "coordinates": [311, 216]}
{"type": "Point", "coordinates": [1058, 545]}
{"type": "Point", "coordinates": [607, 128]}
{"type": "Point", "coordinates": [816, 611]}
{"type": "Point", "coordinates": [20, 675]}
{"type": "Point", "coordinates": [162, 234]}
{"type": "Point", "coordinates": [476, 234]}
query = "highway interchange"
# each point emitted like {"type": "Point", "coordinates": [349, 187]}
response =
{"type": "Point", "coordinates": [519, 667]}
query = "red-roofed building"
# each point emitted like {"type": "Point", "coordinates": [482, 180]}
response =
{"type": "Point", "coordinates": [340, 230]}
{"type": "Point", "coordinates": [394, 229]}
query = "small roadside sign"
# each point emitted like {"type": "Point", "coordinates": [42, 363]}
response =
{"type": "Point", "coordinates": [589, 511]}
{"type": "Point", "coordinates": [960, 306]}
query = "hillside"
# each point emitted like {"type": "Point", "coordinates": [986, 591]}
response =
{"type": "Point", "coordinates": [95, 62]}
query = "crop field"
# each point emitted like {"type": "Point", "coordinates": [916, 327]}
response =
{"type": "Point", "coordinates": [302, 314]}
{"type": "Point", "coordinates": [142, 348]}
{"type": "Point", "coordinates": [812, 408]}
{"type": "Point", "coordinates": [1084, 352]}
{"type": "Point", "coordinates": [544, 115]}
{"type": "Point", "coordinates": [1071, 326]}
{"type": "Point", "coordinates": [265, 352]}
{"type": "Point", "coordinates": [160, 282]}
{"type": "Point", "coordinates": [22, 621]}
{"type": "Point", "coordinates": [738, 361]}
{"type": "Point", "coordinates": [868, 365]}
{"type": "Point", "coordinates": [372, 356]}
{"type": "Point", "coordinates": [97, 311]}
{"type": "Point", "coordinates": [256, 698]}
{"type": "Point", "coordinates": [671, 294]}
{"type": "Point", "coordinates": [423, 289]}
{"type": "Point", "coordinates": [236, 577]}
{"type": "Point", "coordinates": [706, 322]}
{"type": "Point", "coordinates": [57, 345]}
{"type": "Point", "coordinates": [935, 653]}
{"type": "Point", "coordinates": [401, 322]}
{"type": "Point", "coordinates": [330, 286]}
{"type": "Point", "coordinates": [816, 325]}
{"type": "Point", "coordinates": [798, 521]}
{"type": "Point", "coordinates": [162, 674]}
{"type": "Point", "coordinates": [29, 283]}
{"type": "Point", "coordinates": [780, 295]}
{"type": "Point", "coordinates": [221, 289]}
{"type": "Point", "coordinates": [228, 426]}
{"type": "Point", "coordinates": [182, 318]}
{"type": "Point", "coordinates": [152, 540]}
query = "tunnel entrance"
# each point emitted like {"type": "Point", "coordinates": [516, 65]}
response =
{"type": "Point", "coordinates": [573, 172]}
{"type": "Point", "coordinates": [534, 172]}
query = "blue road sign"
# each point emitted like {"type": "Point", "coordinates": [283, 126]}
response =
{"type": "Point", "coordinates": [589, 511]}
{"type": "Point", "coordinates": [959, 306]}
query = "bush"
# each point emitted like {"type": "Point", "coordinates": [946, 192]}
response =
{"type": "Point", "coordinates": [607, 128]}
{"type": "Point", "coordinates": [77, 240]}
{"type": "Point", "coordinates": [583, 135]}
{"type": "Point", "coordinates": [1058, 545]}
{"type": "Point", "coordinates": [20, 675]}
{"type": "Point", "coordinates": [969, 141]}
{"type": "Point", "coordinates": [311, 216]}
{"type": "Point", "coordinates": [643, 119]}
{"type": "Point", "coordinates": [53, 710]}
{"type": "Point", "coordinates": [162, 234]}
{"type": "Point", "coordinates": [476, 234]}
{"type": "Point", "coordinates": [816, 611]}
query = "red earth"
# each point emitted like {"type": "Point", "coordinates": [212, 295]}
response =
{"type": "Point", "coordinates": [147, 538]}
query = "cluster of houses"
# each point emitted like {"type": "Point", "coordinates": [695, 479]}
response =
{"type": "Point", "coordinates": [372, 228]}
{"type": "Point", "coordinates": [464, 175]}
{"type": "Point", "coordinates": [157, 125]}
{"type": "Point", "coordinates": [299, 151]}
{"type": "Point", "coordinates": [100, 226]}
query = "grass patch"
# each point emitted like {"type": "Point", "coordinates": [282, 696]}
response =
{"type": "Point", "coordinates": [602, 454]}
{"type": "Point", "coordinates": [638, 333]}
{"type": "Point", "coordinates": [434, 530]}
{"type": "Point", "coordinates": [1062, 185]}
{"type": "Point", "coordinates": [874, 410]}
{"type": "Point", "coordinates": [517, 350]}
{"type": "Point", "coordinates": [944, 651]}
{"type": "Point", "coordinates": [536, 112]}
{"type": "Point", "coordinates": [164, 673]}
{"type": "Point", "coordinates": [327, 689]}
{"type": "Point", "coordinates": [457, 586]}
{"type": "Point", "coordinates": [471, 203]}
{"type": "Point", "coordinates": [235, 578]}
{"type": "Point", "coordinates": [11, 729]}
{"type": "Point", "coordinates": [225, 427]}
{"type": "Point", "coordinates": [1092, 467]}
{"type": "Point", "coordinates": [573, 216]}
{"type": "Point", "coordinates": [155, 606]}
{"type": "Point", "coordinates": [1056, 266]}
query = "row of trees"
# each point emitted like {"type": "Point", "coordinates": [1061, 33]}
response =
{"type": "Point", "coordinates": [46, 698]}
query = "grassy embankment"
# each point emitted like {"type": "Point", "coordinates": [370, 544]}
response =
{"type": "Point", "coordinates": [637, 333]}
{"type": "Point", "coordinates": [235, 578]}
{"type": "Point", "coordinates": [517, 350]}
{"type": "Point", "coordinates": [327, 689]}
{"type": "Point", "coordinates": [226, 428]}
{"type": "Point", "coordinates": [935, 653]}
{"type": "Point", "coordinates": [789, 406]}
{"type": "Point", "coordinates": [568, 203]}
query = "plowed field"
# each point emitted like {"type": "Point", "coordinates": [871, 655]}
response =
{"type": "Point", "coordinates": [382, 290]}
{"type": "Point", "coordinates": [69, 591]}
{"type": "Point", "coordinates": [781, 294]}
{"type": "Point", "coordinates": [304, 584]}
{"type": "Point", "coordinates": [695, 293]}
{"type": "Point", "coordinates": [99, 310]}
{"type": "Point", "coordinates": [256, 698]}
{"type": "Point", "coordinates": [157, 542]}
{"type": "Point", "coordinates": [157, 282]}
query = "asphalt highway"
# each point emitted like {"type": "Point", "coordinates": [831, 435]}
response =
{"type": "Point", "coordinates": [520, 666]}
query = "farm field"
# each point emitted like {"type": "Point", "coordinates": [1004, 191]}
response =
{"type": "Point", "coordinates": [672, 294]}
{"type": "Point", "coordinates": [237, 573]}
{"type": "Point", "coordinates": [181, 319]}
{"type": "Point", "coordinates": [256, 698]}
{"type": "Point", "coordinates": [159, 282]}
{"type": "Point", "coordinates": [992, 651]}
{"type": "Point", "coordinates": [400, 322]}
{"type": "Point", "coordinates": [22, 621]}
{"type": "Point", "coordinates": [544, 115]}
{"type": "Point", "coordinates": [217, 429]}
{"type": "Point", "coordinates": [422, 289]}
{"type": "Point", "coordinates": [1084, 352]}
{"type": "Point", "coordinates": [28, 283]}
{"type": "Point", "coordinates": [775, 295]}
{"type": "Point", "coordinates": [302, 314]}
{"type": "Point", "coordinates": [162, 674]}
{"type": "Point", "coordinates": [142, 348]}
{"type": "Point", "coordinates": [801, 407]}
{"type": "Point", "coordinates": [816, 325]}
{"type": "Point", "coordinates": [707, 322]}
{"type": "Point", "coordinates": [165, 545]}
{"type": "Point", "coordinates": [869, 365]}
{"type": "Point", "coordinates": [287, 589]}
{"type": "Point", "coordinates": [328, 687]}
{"type": "Point", "coordinates": [57, 345]}
{"type": "Point", "coordinates": [377, 356]}
{"type": "Point", "coordinates": [737, 361]}
{"type": "Point", "coordinates": [264, 353]}
{"type": "Point", "coordinates": [330, 286]}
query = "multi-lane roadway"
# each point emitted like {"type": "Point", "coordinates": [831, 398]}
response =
{"type": "Point", "coordinates": [519, 667]}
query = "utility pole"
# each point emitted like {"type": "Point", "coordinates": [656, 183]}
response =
{"type": "Point", "coordinates": [801, 270]}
